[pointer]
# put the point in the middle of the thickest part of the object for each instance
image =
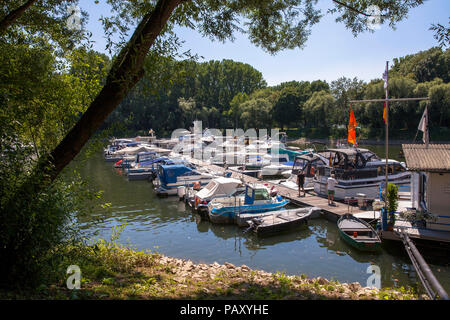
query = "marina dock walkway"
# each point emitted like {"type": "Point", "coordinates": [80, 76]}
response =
{"type": "Point", "coordinates": [310, 199]}
{"type": "Point", "coordinates": [332, 212]}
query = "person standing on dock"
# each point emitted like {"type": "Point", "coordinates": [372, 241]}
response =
{"type": "Point", "coordinates": [331, 184]}
{"type": "Point", "coordinates": [301, 183]}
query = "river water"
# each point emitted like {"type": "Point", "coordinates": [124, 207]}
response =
{"type": "Point", "coordinates": [167, 226]}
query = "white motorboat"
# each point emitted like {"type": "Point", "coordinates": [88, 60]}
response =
{"type": "Point", "coordinates": [358, 171]}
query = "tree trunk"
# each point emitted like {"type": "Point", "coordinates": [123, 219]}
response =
{"type": "Point", "coordinates": [14, 15]}
{"type": "Point", "coordinates": [126, 71]}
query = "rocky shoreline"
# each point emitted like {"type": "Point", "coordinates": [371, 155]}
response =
{"type": "Point", "coordinates": [112, 271]}
{"type": "Point", "coordinates": [227, 275]}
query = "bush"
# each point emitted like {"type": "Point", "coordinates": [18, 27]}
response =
{"type": "Point", "coordinates": [32, 224]}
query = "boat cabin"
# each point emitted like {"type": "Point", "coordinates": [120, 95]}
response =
{"type": "Point", "coordinates": [169, 173]}
{"type": "Point", "coordinates": [153, 162]}
{"type": "Point", "coordinates": [174, 175]}
{"type": "Point", "coordinates": [145, 156]}
{"type": "Point", "coordinates": [220, 186]}
{"type": "Point", "coordinates": [256, 195]}
{"type": "Point", "coordinates": [349, 163]}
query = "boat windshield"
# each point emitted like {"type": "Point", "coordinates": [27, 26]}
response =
{"type": "Point", "coordinates": [210, 185]}
{"type": "Point", "coordinates": [300, 164]}
{"type": "Point", "coordinates": [262, 194]}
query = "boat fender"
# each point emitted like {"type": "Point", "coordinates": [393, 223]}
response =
{"type": "Point", "coordinates": [273, 191]}
{"type": "Point", "coordinates": [279, 198]}
{"type": "Point", "coordinates": [355, 234]}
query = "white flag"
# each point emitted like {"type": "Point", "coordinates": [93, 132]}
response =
{"type": "Point", "coordinates": [385, 78]}
{"type": "Point", "coordinates": [423, 121]}
{"type": "Point", "coordinates": [423, 125]}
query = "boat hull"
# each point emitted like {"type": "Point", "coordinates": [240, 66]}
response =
{"type": "Point", "coordinates": [363, 246]}
{"type": "Point", "coordinates": [363, 243]}
{"type": "Point", "coordinates": [227, 215]}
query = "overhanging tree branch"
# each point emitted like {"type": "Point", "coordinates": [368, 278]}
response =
{"type": "Point", "coordinates": [351, 8]}
{"type": "Point", "coordinates": [126, 71]}
{"type": "Point", "coordinates": [9, 19]}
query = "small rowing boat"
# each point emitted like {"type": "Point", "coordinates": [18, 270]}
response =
{"type": "Point", "coordinates": [358, 233]}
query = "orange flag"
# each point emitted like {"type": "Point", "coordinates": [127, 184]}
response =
{"type": "Point", "coordinates": [352, 128]}
{"type": "Point", "coordinates": [384, 112]}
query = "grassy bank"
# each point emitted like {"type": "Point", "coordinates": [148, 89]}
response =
{"type": "Point", "coordinates": [112, 271]}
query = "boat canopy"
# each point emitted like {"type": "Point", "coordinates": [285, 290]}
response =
{"type": "Point", "coordinates": [134, 150]}
{"type": "Point", "coordinates": [306, 161]}
{"type": "Point", "coordinates": [157, 160]}
{"type": "Point", "coordinates": [257, 192]}
{"type": "Point", "coordinates": [133, 144]}
{"type": "Point", "coordinates": [291, 153]}
{"type": "Point", "coordinates": [121, 140]}
{"type": "Point", "coordinates": [218, 186]}
{"type": "Point", "coordinates": [169, 173]}
{"type": "Point", "coordinates": [145, 156]}
{"type": "Point", "coordinates": [348, 158]}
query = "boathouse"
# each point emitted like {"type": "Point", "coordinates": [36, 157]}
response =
{"type": "Point", "coordinates": [430, 181]}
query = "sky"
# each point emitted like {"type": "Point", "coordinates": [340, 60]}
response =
{"type": "Point", "coordinates": [330, 52]}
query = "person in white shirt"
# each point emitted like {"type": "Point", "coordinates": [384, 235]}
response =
{"type": "Point", "coordinates": [331, 184]}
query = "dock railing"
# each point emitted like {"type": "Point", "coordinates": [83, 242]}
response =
{"type": "Point", "coordinates": [426, 276]}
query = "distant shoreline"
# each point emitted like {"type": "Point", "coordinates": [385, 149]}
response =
{"type": "Point", "coordinates": [329, 141]}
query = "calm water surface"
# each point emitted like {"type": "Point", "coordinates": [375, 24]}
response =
{"type": "Point", "coordinates": [169, 227]}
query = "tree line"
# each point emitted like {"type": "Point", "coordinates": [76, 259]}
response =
{"type": "Point", "coordinates": [229, 94]}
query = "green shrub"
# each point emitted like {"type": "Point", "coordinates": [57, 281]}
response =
{"type": "Point", "coordinates": [30, 224]}
{"type": "Point", "coordinates": [392, 201]}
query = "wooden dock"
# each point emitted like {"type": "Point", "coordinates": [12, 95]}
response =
{"type": "Point", "coordinates": [310, 199]}
{"type": "Point", "coordinates": [333, 213]}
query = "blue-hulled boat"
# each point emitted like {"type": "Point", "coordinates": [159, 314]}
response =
{"type": "Point", "coordinates": [170, 177]}
{"type": "Point", "coordinates": [257, 199]}
{"type": "Point", "coordinates": [290, 152]}
{"type": "Point", "coordinates": [134, 161]}
{"type": "Point", "coordinates": [147, 169]}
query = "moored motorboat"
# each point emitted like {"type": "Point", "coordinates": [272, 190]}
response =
{"type": "Point", "coordinates": [219, 187]}
{"type": "Point", "coordinates": [278, 164]}
{"type": "Point", "coordinates": [358, 233]}
{"type": "Point", "coordinates": [358, 171]}
{"type": "Point", "coordinates": [280, 221]}
{"type": "Point", "coordinates": [146, 170]}
{"type": "Point", "coordinates": [170, 177]}
{"type": "Point", "coordinates": [257, 199]}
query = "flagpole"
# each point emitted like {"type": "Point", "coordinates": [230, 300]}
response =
{"type": "Point", "coordinates": [387, 133]}
{"type": "Point", "coordinates": [427, 134]}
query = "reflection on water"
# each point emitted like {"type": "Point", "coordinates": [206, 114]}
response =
{"type": "Point", "coordinates": [168, 225]}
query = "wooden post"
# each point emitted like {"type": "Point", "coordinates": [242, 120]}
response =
{"type": "Point", "coordinates": [426, 133]}
{"type": "Point", "coordinates": [387, 133]}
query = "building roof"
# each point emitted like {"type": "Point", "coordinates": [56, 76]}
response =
{"type": "Point", "coordinates": [435, 158]}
